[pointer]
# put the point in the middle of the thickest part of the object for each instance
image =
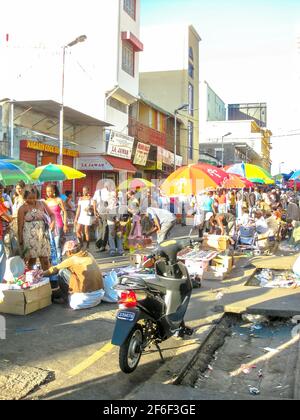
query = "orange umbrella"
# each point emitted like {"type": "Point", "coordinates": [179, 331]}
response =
{"type": "Point", "coordinates": [236, 181]}
{"type": "Point", "coordinates": [192, 179]}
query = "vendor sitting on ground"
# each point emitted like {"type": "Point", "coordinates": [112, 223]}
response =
{"type": "Point", "coordinates": [80, 278]}
{"type": "Point", "coordinates": [223, 223]}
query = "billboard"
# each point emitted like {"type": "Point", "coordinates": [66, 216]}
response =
{"type": "Point", "coordinates": [120, 145]}
{"type": "Point", "coordinates": [249, 111]}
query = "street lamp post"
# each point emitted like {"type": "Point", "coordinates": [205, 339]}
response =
{"type": "Point", "coordinates": [225, 135]}
{"type": "Point", "coordinates": [76, 41]}
{"type": "Point", "coordinates": [182, 107]}
{"type": "Point", "coordinates": [280, 164]}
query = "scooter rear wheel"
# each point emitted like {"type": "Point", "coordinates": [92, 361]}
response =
{"type": "Point", "coordinates": [131, 351]}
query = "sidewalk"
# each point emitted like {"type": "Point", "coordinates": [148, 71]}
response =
{"type": "Point", "coordinates": [205, 311]}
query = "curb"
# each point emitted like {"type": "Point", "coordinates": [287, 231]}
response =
{"type": "Point", "coordinates": [297, 376]}
{"type": "Point", "coordinates": [194, 358]}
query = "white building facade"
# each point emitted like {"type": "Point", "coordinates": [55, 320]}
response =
{"type": "Point", "coordinates": [101, 74]}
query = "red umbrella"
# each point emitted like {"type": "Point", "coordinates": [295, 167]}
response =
{"type": "Point", "coordinates": [218, 175]}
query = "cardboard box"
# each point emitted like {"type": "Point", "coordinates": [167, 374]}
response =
{"type": "Point", "coordinates": [24, 302]}
{"type": "Point", "coordinates": [217, 242]}
{"type": "Point", "coordinates": [137, 259]}
{"type": "Point", "coordinates": [214, 273]}
{"type": "Point", "coordinates": [224, 262]}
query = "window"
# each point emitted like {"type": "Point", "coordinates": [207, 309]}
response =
{"type": "Point", "coordinates": [128, 59]}
{"type": "Point", "coordinates": [191, 70]}
{"type": "Point", "coordinates": [191, 53]}
{"type": "Point", "coordinates": [150, 118]}
{"type": "Point", "coordinates": [130, 8]}
{"type": "Point", "coordinates": [191, 140]}
{"type": "Point", "coordinates": [191, 99]}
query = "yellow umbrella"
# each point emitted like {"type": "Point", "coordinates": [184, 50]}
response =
{"type": "Point", "coordinates": [53, 173]}
{"type": "Point", "coordinates": [132, 184]}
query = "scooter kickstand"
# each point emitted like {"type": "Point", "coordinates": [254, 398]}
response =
{"type": "Point", "coordinates": [160, 353]}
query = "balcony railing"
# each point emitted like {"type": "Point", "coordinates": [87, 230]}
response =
{"type": "Point", "coordinates": [146, 134]}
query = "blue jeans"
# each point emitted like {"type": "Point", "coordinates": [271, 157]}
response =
{"type": "Point", "coordinates": [58, 243]}
{"type": "Point", "coordinates": [120, 245]}
{"type": "Point", "coordinates": [2, 261]}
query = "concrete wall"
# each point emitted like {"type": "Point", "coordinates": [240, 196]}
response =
{"type": "Point", "coordinates": [168, 89]}
{"type": "Point", "coordinates": [194, 44]}
{"type": "Point", "coordinates": [216, 109]}
{"type": "Point", "coordinates": [165, 79]}
{"type": "Point", "coordinates": [126, 82]}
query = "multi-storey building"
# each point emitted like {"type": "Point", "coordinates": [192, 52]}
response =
{"type": "Point", "coordinates": [237, 141]}
{"type": "Point", "coordinates": [170, 78]}
{"type": "Point", "coordinates": [154, 131]}
{"type": "Point", "coordinates": [212, 107]}
{"type": "Point", "coordinates": [101, 74]}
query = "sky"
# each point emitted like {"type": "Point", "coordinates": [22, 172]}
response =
{"type": "Point", "coordinates": [248, 53]}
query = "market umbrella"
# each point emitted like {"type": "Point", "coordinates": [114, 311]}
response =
{"type": "Point", "coordinates": [132, 184]}
{"type": "Point", "coordinates": [53, 173]}
{"type": "Point", "coordinates": [11, 174]}
{"type": "Point", "coordinates": [192, 179]}
{"type": "Point", "coordinates": [26, 167]}
{"type": "Point", "coordinates": [237, 181]}
{"type": "Point", "coordinates": [296, 175]}
{"type": "Point", "coordinates": [251, 172]}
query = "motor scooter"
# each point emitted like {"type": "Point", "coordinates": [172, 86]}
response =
{"type": "Point", "coordinates": [153, 310]}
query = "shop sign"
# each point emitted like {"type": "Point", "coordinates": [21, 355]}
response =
{"type": "Point", "coordinates": [179, 161]}
{"type": "Point", "coordinates": [93, 163]}
{"type": "Point", "coordinates": [141, 154]}
{"type": "Point", "coordinates": [159, 158]}
{"type": "Point", "coordinates": [168, 157]}
{"type": "Point", "coordinates": [49, 148]}
{"type": "Point", "coordinates": [120, 145]}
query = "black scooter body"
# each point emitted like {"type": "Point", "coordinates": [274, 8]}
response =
{"type": "Point", "coordinates": [167, 297]}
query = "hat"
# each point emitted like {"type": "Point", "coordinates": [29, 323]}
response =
{"type": "Point", "coordinates": [70, 246]}
{"type": "Point", "coordinates": [208, 216]}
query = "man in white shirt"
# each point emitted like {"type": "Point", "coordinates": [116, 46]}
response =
{"type": "Point", "coordinates": [163, 222]}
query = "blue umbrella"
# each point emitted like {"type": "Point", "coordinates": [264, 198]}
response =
{"type": "Point", "coordinates": [296, 175]}
{"type": "Point", "coordinates": [11, 174]}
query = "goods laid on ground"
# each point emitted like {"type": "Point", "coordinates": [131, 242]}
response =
{"type": "Point", "coordinates": [197, 261]}
{"type": "Point", "coordinates": [225, 262]}
{"type": "Point", "coordinates": [277, 279]}
{"type": "Point", "coordinates": [217, 242]}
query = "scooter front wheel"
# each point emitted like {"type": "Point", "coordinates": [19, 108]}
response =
{"type": "Point", "coordinates": [131, 351]}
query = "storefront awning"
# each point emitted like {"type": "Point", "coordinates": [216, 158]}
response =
{"type": "Point", "coordinates": [121, 164]}
{"type": "Point", "coordinates": [72, 116]}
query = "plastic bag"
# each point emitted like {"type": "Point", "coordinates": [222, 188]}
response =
{"type": "Point", "coordinates": [79, 301]}
{"type": "Point", "coordinates": [110, 280]}
{"type": "Point", "coordinates": [15, 267]}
